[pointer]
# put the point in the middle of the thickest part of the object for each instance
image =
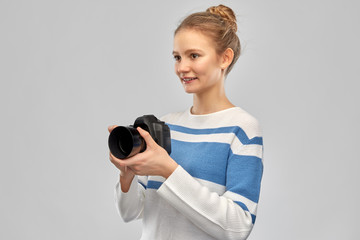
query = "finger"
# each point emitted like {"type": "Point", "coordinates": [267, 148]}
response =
{"type": "Point", "coordinates": [112, 158]}
{"type": "Point", "coordinates": [123, 164]}
{"type": "Point", "coordinates": [146, 135]}
{"type": "Point", "coordinates": [128, 162]}
{"type": "Point", "coordinates": [110, 128]}
{"type": "Point", "coordinates": [116, 161]}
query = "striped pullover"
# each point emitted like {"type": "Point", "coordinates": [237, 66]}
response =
{"type": "Point", "coordinates": [214, 192]}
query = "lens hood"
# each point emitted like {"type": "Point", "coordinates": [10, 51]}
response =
{"type": "Point", "coordinates": [125, 142]}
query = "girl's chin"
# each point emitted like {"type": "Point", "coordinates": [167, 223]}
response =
{"type": "Point", "coordinates": [189, 89]}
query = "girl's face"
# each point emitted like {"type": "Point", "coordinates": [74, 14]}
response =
{"type": "Point", "coordinates": [197, 64]}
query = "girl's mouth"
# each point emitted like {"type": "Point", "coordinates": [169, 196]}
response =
{"type": "Point", "coordinates": [188, 79]}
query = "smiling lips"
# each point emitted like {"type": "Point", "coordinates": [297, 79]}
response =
{"type": "Point", "coordinates": [188, 79]}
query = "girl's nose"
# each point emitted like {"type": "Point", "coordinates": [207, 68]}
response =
{"type": "Point", "coordinates": [182, 67]}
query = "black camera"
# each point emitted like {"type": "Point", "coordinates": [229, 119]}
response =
{"type": "Point", "coordinates": [125, 142]}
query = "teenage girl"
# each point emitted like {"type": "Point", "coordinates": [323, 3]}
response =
{"type": "Point", "coordinates": [208, 187]}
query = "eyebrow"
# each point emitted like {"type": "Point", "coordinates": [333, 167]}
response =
{"type": "Point", "coordinates": [188, 50]}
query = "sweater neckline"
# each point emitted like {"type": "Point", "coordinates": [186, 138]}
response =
{"type": "Point", "coordinates": [210, 114]}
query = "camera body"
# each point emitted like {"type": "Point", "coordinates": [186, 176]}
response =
{"type": "Point", "coordinates": [125, 142]}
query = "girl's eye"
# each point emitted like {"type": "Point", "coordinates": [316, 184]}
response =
{"type": "Point", "coordinates": [177, 58]}
{"type": "Point", "coordinates": [194, 55]}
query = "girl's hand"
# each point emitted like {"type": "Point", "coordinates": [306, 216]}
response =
{"type": "Point", "coordinates": [153, 161]}
{"type": "Point", "coordinates": [126, 174]}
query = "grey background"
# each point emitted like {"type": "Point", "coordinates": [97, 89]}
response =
{"type": "Point", "coordinates": [68, 69]}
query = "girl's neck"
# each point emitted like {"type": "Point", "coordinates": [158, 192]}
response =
{"type": "Point", "coordinates": [210, 102]}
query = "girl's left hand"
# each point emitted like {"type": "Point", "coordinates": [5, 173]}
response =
{"type": "Point", "coordinates": [153, 161]}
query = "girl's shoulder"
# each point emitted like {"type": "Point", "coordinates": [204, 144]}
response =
{"type": "Point", "coordinates": [171, 117]}
{"type": "Point", "coordinates": [234, 117]}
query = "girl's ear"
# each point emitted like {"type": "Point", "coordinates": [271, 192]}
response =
{"type": "Point", "coordinates": [226, 58]}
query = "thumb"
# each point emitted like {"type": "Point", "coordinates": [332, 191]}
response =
{"type": "Point", "coordinates": [146, 135]}
{"type": "Point", "coordinates": [110, 128]}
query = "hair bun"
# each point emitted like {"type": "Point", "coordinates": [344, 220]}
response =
{"type": "Point", "coordinates": [225, 13]}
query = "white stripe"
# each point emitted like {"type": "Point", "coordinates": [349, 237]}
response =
{"type": "Point", "coordinates": [143, 179]}
{"type": "Point", "coordinates": [213, 187]}
{"type": "Point", "coordinates": [156, 178]}
{"type": "Point", "coordinates": [234, 117]}
{"type": "Point", "coordinates": [214, 137]}
{"type": "Point", "coordinates": [248, 150]}
{"type": "Point", "coordinates": [229, 138]}
{"type": "Point", "coordinates": [252, 206]}
{"type": "Point", "coordinates": [220, 189]}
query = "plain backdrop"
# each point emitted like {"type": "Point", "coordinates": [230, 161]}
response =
{"type": "Point", "coordinates": [68, 69]}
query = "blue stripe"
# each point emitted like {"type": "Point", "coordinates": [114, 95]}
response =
{"type": "Point", "coordinates": [142, 184]}
{"type": "Point", "coordinates": [255, 140]}
{"type": "Point", "coordinates": [243, 206]}
{"type": "Point", "coordinates": [204, 160]}
{"type": "Point", "coordinates": [154, 184]}
{"type": "Point", "coordinates": [244, 175]}
{"type": "Point", "coordinates": [253, 218]}
{"type": "Point", "coordinates": [216, 163]}
{"type": "Point", "coordinates": [238, 131]}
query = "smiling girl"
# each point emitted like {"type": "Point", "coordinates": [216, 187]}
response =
{"type": "Point", "coordinates": [208, 188]}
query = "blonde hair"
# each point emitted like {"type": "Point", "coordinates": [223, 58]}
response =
{"type": "Point", "coordinates": [218, 23]}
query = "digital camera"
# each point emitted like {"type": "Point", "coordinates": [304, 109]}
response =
{"type": "Point", "coordinates": [125, 142]}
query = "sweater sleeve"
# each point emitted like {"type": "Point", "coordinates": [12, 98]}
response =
{"type": "Point", "coordinates": [227, 216]}
{"type": "Point", "coordinates": [130, 205]}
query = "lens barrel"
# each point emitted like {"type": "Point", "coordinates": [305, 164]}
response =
{"type": "Point", "coordinates": [125, 142]}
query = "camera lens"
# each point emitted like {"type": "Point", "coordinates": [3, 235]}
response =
{"type": "Point", "coordinates": [125, 142]}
